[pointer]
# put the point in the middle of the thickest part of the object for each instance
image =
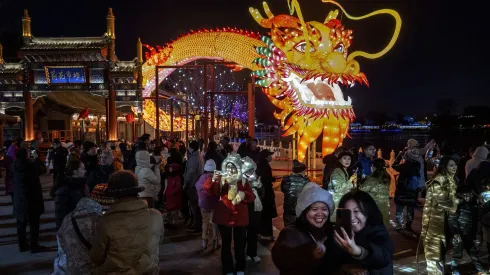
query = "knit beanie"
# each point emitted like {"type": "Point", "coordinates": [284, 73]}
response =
{"type": "Point", "coordinates": [313, 193]}
{"type": "Point", "coordinates": [210, 166]}
{"type": "Point", "coordinates": [298, 167]}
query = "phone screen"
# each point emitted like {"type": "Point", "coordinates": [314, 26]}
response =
{"type": "Point", "coordinates": [343, 220]}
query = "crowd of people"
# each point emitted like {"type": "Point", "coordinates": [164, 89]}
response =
{"type": "Point", "coordinates": [112, 198]}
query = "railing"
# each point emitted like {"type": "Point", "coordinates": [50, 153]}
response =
{"type": "Point", "coordinates": [63, 135]}
{"type": "Point", "coordinates": [286, 154]}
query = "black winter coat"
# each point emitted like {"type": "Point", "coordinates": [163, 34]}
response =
{"type": "Point", "coordinates": [264, 171]}
{"type": "Point", "coordinates": [91, 163]}
{"type": "Point", "coordinates": [379, 261]}
{"type": "Point", "coordinates": [292, 186]}
{"type": "Point", "coordinates": [67, 197]}
{"type": "Point", "coordinates": [28, 192]}
{"type": "Point", "coordinates": [403, 195]}
{"type": "Point", "coordinates": [293, 252]}
{"type": "Point", "coordinates": [98, 176]}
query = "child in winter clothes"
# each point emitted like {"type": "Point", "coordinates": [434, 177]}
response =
{"type": "Point", "coordinates": [173, 193]}
{"type": "Point", "coordinates": [148, 177]}
{"type": "Point", "coordinates": [207, 203]}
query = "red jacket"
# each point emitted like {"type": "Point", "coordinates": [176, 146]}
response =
{"type": "Point", "coordinates": [173, 193]}
{"type": "Point", "coordinates": [233, 215]}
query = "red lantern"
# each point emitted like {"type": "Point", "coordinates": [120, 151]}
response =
{"type": "Point", "coordinates": [83, 114]}
{"type": "Point", "coordinates": [130, 118]}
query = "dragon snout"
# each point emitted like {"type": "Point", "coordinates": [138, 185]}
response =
{"type": "Point", "coordinates": [334, 62]}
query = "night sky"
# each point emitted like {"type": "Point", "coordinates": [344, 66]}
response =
{"type": "Point", "coordinates": [440, 53]}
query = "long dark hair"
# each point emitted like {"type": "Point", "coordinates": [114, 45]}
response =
{"type": "Point", "coordinates": [380, 171]}
{"type": "Point", "coordinates": [366, 204]}
{"type": "Point", "coordinates": [443, 163]}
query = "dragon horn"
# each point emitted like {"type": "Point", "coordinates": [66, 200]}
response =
{"type": "Point", "coordinates": [260, 73]}
{"type": "Point", "coordinates": [264, 51]}
{"type": "Point", "coordinates": [267, 41]}
{"type": "Point", "coordinates": [267, 10]}
{"type": "Point", "coordinates": [398, 25]}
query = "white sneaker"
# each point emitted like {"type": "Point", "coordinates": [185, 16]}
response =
{"type": "Point", "coordinates": [249, 258]}
{"type": "Point", "coordinates": [256, 259]}
{"type": "Point", "coordinates": [240, 273]}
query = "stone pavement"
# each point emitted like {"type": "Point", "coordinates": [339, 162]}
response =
{"type": "Point", "coordinates": [180, 252]}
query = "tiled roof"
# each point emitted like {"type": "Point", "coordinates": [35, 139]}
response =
{"type": "Point", "coordinates": [64, 57]}
{"type": "Point", "coordinates": [65, 43]}
{"type": "Point", "coordinates": [10, 68]}
{"type": "Point", "coordinates": [125, 66]}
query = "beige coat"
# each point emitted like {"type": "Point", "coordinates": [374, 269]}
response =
{"type": "Point", "coordinates": [127, 239]}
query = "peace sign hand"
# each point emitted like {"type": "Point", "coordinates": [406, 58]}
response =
{"type": "Point", "coordinates": [347, 244]}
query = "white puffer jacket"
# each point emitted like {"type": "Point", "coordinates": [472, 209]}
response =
{"type": "Point", "coordinates": [148, 178]}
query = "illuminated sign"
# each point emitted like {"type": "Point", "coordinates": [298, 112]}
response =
{"type": "Point", "coordinates": [65, 75]}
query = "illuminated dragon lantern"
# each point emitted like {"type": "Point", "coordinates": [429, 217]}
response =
{"type": "Point", "coordinates": [302, 66]}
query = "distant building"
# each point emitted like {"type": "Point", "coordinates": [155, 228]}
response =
{"type": "Point", "coordinates": [57, 78]}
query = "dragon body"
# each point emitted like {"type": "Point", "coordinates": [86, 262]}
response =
{"type": "Point", "coordinates": [302, 66]}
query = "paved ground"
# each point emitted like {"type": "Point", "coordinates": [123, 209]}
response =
{"type": "Point", "coordinates": [179, 254]}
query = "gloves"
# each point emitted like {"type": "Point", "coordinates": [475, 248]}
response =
{"type": "Point", "coordinates": [239, 197]}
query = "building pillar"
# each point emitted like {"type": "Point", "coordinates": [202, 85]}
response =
{"type": "Point", "coordinates": [28, 116]}
{"type": "Point", "coordinates": [211, 98]}
{"type": "Point", "coordinates": [251, 111]}
{"type": "Point", "coordinates": [112, 114]}
{"type": "Point", "coordinates": [1, 134]}
{"type": "Point", "coordinates": [107, 119]}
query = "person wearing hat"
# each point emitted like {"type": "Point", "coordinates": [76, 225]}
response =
{"type": "Point", "coordinates": [207, 202]}
{"type": "Point", "coordinates": [292, 186]}
{"type": "Point", "coordinates": [269, 211]}
{"type": "Point", "coordinates": [77, 231]}
{"type": "Point", "coordinates": [89, 156]}
{"type": "Point", "coordinates": [59, 157]}
{"type": "Point", "coordinates": [300, 247]}
{"type": "Point", "coordinates": [407, 187]}
{"type": "Point", "coordinates": [341, 181]}
{"type": "Point", "coordinates": [129, 233]}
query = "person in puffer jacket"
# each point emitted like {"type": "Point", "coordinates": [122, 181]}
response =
{"type": "Point", "coordinates": [292, 186]}
{"type": "Point", "coordinates": [148, 177]}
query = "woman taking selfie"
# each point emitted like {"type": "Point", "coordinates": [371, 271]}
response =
{"type": "Point", "coordinates": [368, 249]}
{"type": "Point", "coordinates": [300, 248]}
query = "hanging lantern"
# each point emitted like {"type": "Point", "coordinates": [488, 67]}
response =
{"type": "Point", "coordinates": [130, 118]}
{"type": "Point", "coordinates": [83, 114]}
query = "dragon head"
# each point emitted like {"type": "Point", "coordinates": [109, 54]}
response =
{"type": "Point", "coordinates": [305, 67]}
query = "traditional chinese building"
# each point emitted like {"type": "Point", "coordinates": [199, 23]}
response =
{"type": "Point", "coordinates": [57, 79]}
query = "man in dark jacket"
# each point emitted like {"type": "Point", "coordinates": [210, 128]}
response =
{"type": "Point", "coordinates": [244, 146]}
{"type": "Point", "coordinates": [105, 170]}
{"type": "Point", "coordinates": [28, 203]}
{"type": "Point", "coordinates": [365, 161]}
{"type": "Point", "coordinates": [89, 157]}
{"type": "Point", "coordinates": [60, 155]}
{"type": "Point", "coordinates": [292, 186]}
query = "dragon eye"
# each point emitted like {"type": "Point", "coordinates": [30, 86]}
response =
{"type": "Point", "coordinates": [301, 47]}
{"type": "Point", "coordinates": [340, 48]}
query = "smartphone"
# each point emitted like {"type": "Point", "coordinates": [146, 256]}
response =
{"type": "Point", "coordinates": [343, 220]}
